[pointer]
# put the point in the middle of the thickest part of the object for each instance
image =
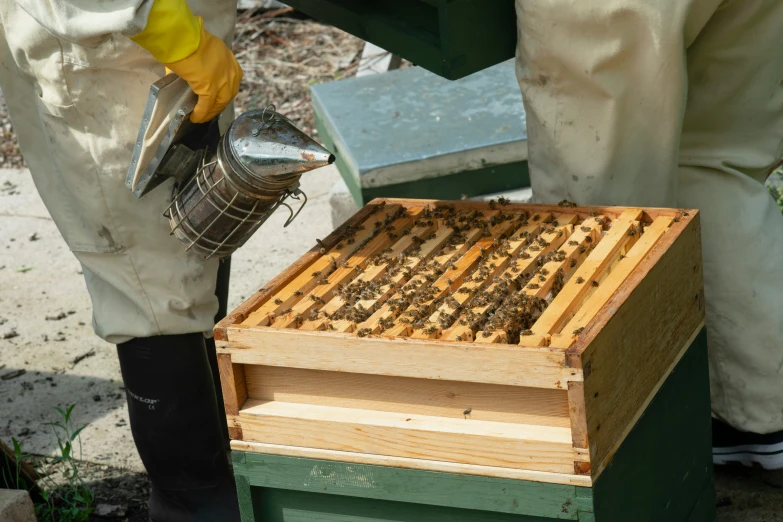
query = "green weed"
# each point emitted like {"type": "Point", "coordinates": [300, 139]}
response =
{"type": "Point", "coordinates": [63, 495]}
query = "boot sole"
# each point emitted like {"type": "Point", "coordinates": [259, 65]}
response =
{"type": "Point", "coordinates": [768, 456]}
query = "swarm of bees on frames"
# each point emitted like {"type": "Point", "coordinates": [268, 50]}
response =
{"type": "Point", "coordinates": [411, 269]}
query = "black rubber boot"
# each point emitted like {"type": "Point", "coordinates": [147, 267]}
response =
{"type": "Point", "coordinates": [174, 418]}
{"type": "Point", "coordinates": [221, 291]}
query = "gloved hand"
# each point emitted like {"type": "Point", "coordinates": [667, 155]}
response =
{"type": "Point", "coordinates": [177, 38]}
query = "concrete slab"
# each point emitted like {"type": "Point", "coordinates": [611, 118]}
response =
{"type": "Point", "coordinates": [16, 506]}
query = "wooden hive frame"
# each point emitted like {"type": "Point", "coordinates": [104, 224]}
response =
{"type": "Point", "coordinates": [610, 299]}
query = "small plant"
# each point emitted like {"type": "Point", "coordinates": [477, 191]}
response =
{"type": "Point", "coordinates": [68, 499]}
{"type": "Point", "coordinates": [12, 472]}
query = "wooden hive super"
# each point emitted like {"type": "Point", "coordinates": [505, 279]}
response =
{"type": "Point", "coordinates": [485, 339]}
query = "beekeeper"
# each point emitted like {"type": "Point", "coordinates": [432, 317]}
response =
{"type": "Point", "coordinates": [677, 104]}
{"type": "Point", "coordinates": [76, 75]}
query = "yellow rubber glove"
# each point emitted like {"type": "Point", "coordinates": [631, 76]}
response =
{"type": "Point", "coordinates": [177, 38]}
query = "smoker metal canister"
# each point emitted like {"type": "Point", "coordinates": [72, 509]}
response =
{"type": "Point", "coordinates": [255, 169]}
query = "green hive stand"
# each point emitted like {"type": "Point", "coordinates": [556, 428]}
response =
{"type": "Point", "coordinates": [661, 473]}
{"type": "Point", "coordinates": [452, 38]}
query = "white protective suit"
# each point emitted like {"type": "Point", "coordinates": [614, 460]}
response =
{"type": "Point", "coordinates": [76, 87]}
{"type": "Point", "coordinates": [675, 103]}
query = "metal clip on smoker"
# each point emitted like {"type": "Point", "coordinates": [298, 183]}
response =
{"type": "Point", "coordinates": [225, 188]}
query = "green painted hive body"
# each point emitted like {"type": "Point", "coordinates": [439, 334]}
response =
{"type": "Point", "coordinates": [452, 38]}
{"type": "Point", "coordinates": [661, 473]}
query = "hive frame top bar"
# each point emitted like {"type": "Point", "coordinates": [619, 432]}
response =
{"type": "Point", "coordinates": [680, 219]}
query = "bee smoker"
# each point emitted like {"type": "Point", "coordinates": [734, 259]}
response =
{"type": "Point", "coordinates": [225, 187]}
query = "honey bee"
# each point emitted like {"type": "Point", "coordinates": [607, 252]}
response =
{"type": "Point", "coordinates": [503, 201]}
{"type": "Point", "coordinates": [364, 332]}
{"type": "Point", "coordinates": [298, 293]}
{"type": "Point", "coordinates": [536, 217]}
{"type": "Point", "coordinates": [288, 310]}
{"type": "Point", "coordinates": [580, 280]}
{"type": "Point", "coordinates": [467, 412]}
{"type": "Point", "coordinates": [278, 301]}
{"type": "Point", "coordinates": [315, 274]}
{"type": "Point", "coordinates": [594, 283]}
{"type": "Point", "coordinates": [573, 243]}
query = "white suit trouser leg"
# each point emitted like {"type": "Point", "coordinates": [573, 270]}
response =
{"type": "Point", "coordinates": [678, 104]}
{"type": "Point", "coordinates": [76, 108]}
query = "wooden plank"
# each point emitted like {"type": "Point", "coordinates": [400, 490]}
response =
{"type": "Point", "coordinates": [573, 251]}
{"type": "Point", "coordinates": [492, 267]}
{"type": "Point", "coordinates": [440, 398]}
{"type": "Point", "coordinates": [377, 271]}
{"type": "Point", "coordinates": [412, 464]}
{"type": "Point", "coordinates": [571, 297]}
{"type": "Point", "coordinates": [494, 364]}
{"type": "Point", "coordinates": [450, 281]}
{"type": "Point", "coordinates": [523, 268]}
{"type": "Point", "coordinates": [533, 208]}
{"type": "Point", "coordinates": [413, 264]}
{"type": "Point", "coordinates": [576, 412]}
{"type": "Point", "coordinates": [418, 282]}
{"type": "Point", "coordinates": [240, 313]}
{"type": "Point", "coordinates": [618, 275]}
{"type": "Point", "coordinates": [340, 488]}
{"type": "Point", "coordinates": [232, 382]}
{"type": "Point", "coordinates": [320, 293]}
{"type": "Point", "coordinates": [292, 291]}
{"type": "Point", "coordinates": [541, 285]}
{"type": "Point", "coordinates": [625, 350]}
{"type": "Point", "coordinates": [539, 448]}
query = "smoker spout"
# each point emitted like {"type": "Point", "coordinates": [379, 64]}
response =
{"type": "Point", "coordinates": [265, 145]}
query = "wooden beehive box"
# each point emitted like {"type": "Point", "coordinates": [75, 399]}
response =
{"type": "Point", "coordinates": [451, 38]}
{"type": "Point", "coordinates": [492, 339]}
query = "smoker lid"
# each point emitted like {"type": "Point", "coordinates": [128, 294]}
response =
{"type": "Point", "coordinates": [267, 146]}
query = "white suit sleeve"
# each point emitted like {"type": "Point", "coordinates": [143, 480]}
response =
{"type": "Point", "coordinates": [78, 20]}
